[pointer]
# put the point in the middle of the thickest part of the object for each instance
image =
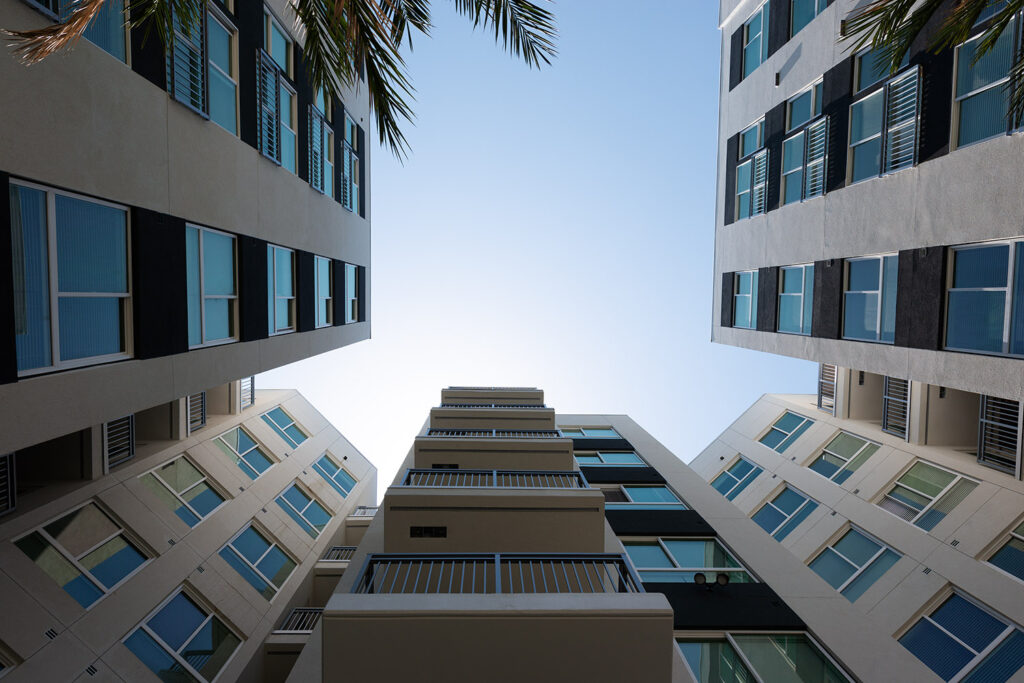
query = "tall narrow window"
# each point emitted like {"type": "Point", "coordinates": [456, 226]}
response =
{"type": "Point", "coordinates": [223, 66]}
{"type": "Point", "coordinates": [869, 302]}
{"type": "Point", "coordinates": [86, 552]}
{"type": "Point", "coordinates": [183, 641]}
{"type": "Point", "coordinates": [796, 298]}
{"type": "Point", "coordinates": [268, 92]}
{"type": "Point", "coordinates": [751, 147]}
{"type": "Point", "coordinates": [733, 480]}
{"type": "Point", "coordinates": [351, 293]}
{"type": "Point", "coordinates": [843, 456]}
{"type": "Point", "coordinates": [999, 428]}
{"type": "Point", "coordinates": [238, 445]}
{"type": "Point", "coordinates": [184, 489]}
{"type": "Point", "coordinates": [282, 423]}
{"type": "Point", "coordinates": [744, 311]}
{"type": "Point", "coordinates": [827, 387]}
{"type": "Point", "coordinates": [895, 406]}
{"type": "Point", "coordinates": [324, 292]}
{"type": "Point", "coordinates": [186, 64]}
{"type": "Point", "coordinates": [288, 127]}
{"type": "Point", "coordinates": [76, 313]}
{"type": "Point", "coordinates": [785, 431]}
{"type": "Point", "coordinates": [802, 12]}
{"type": "Point", "coordinates": [981, 97]}
{"type": "Point", "coordinates": [784, 512]}
{"type": "Point", "coordinates": [925, 494]}
{"type": "Point", "coordinates": [755, 40]}
{"type": "Point", "coordinates": [260, 561]}
{"type": "Point", "coordinates": [985, 299]}
{"type": "Point", "coordinates": [335, 475]}
{"type": "Point", "coordinates": [307, 512]}
{"type": "Point", "coordinates": [281, 289]}
{"type": "Point", "coordinates": [321, 146]}
{"type": "Point", "coordinates": [211, 286]}
{"type": "Point", "coordinates": [1010, 557]}
{"type": "Point", "coordinates": [108, 29]}
{"type": "Point", "coordinates": [351, 155]}
{"type": "Point", "coordinates": [883, 124]}
{"type": "Point", "coordinates": [963, 640]}
{"type": "Point", "coordinates": [853, 563]}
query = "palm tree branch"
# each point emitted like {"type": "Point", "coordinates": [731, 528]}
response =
{"type": "Point", "coordinates": [522, 27]}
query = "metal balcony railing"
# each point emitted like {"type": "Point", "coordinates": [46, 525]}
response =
{"type": "Point", "coordinates": [339, 553]}
{"type": "Point", "coordinates": [508, 479]}
{"type": "Point", "coordinates": [999, 428]}
{"type": "Point", "coordinates": [490, 405]}
{"type": "Point", "coordinates": [365, 511]}
{"type": "Point", "coordinates": [301, 620]}
{"type": "Point", "coordinates": [497, 573]}
{"type": "Point", "coordinates": [494, 433]}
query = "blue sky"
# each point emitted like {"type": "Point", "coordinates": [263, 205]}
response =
{"type": "Point", "coordinates": [551, 228]}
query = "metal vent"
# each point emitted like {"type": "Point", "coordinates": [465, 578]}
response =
{"type": "Point", "coordinates": [827, 388]}
{"type": "Point", "coordinates": [901, 114]}
{"type": "Point", "coordinates": [759, 184]}
{"type": "Point", "coordinates": [91, 670]}
{"type": "Point", "coordinates": [50, 633]}
{"type": "Point", "coordinates": [196, 411]}
{"type": "Point", "coordinates": [247, 392]}
{"type": "Point", "coordinates": [301, 620]}
{"type": "Point", "coordinates": [119, 441]}
{"type": "Point", "coordinates": [895, 406]}
{"type": "Point", "coordinates": [269, 108]}
{"type": "Point", "coordinates": [8, 483]}
{"type": "Point", "coordinates": [999, 428]}
{"type": "Point", "coordinates": [926, 570]}
{"type": "Point", "coordinates": [817, 159]}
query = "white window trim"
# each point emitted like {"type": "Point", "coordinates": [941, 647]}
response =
{"type": "Point", "coordinates": [202, 289]}
{"type": "Point", "coordinates": [751, 296]}
{"type": "Point", "coordinates": [861, 569]}
{"type": "Point", "coordinates": [272, 291]}
{"type": "Point", "coordinates": [787, 517]}
{"type": "Point", "coordinates": [294, 129]}
{"type": "Point", "coordinates": [54, 294]}
{"type": "Point", "coordinates": [320, 295]}
{"type": "Point", "coordinates": [660, 542]}
{"type": "Point", "coordinates": [803, 293]}
{"type": "Point", "coordinates": [1011, 535]}
{"type": "Point", "coordinates": [301, 513]}
{"type": "Point", "coordinates": [877, 292]}
{"type": "Point", "coordinates": [851, 145]}
{"type": "Point", "coordinates": [283, 433]}
{"type": "Point", "coordinates": [210, 614]}
{"type": "Point", "coordinates": [269, 19]}
{"type": "Point", "coordinates": [957, 478]}
{"type": "Point", "coordinates": [816, 104]}
{"type": "Point", "coordinates": [179, 496]}
{"type": "Point", "coordinates": [762, 35]}
{"type": "Point", "coordinates": [954, 133]}
{"type": "Point", "coordinates": [351, 297]}
{"type": "Point", "coordinates": [753, 474]}
{"type": "Point", "coordinates": [269, 538]}
{"type": "Point", "coordinates": [780, 429]}
{"type": "Point", "coordinates": [588, 436]}
{"type": "Point", "coordinates": [621, 488]}
{"type": "Point", "coordinates": [242, 463]}
{"type": "Point", "coordinates": [341, 468]}
{"type": "Point", "coordinates": [1007, 291]}
{"type": "Point", "coordinates": [759, 124]}
{"type": "Point", "coordinates": [846, 461]}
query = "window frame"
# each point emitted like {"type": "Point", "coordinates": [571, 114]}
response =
{"type": "Point", "coordinates": [789, 437]}
{"type": "Point", "coordinates": [762, 36]}
{"type": "Point", "coordinates": [54, 293]}
{"type": "Point", "coordinates": [1011, 126]}
{"type": "Point", "coordinates": [1008, 291]}
{"type": "Point", "coordinates": [820, 453]}
{"type": "Point", "coordinates": [215, 14]}
{"type": "Point", "coordinates": [880, 292]}
{"type": "Point", "coordinates": [599, 455]}
{"type": "Point", "coordinates": [234, 316]}
{"type": "Point", "coordinates": [205, 478]}
{"type": "Point", "coordinates": [752, 296]}
{"type": "Point", "coordinates": [819, 7]}
{"type": "Point", "coordinates": [240, 457]}
{"type": "Point", "coordinates": [1015, 533]}
{"type": "Point", "coordinates": [630, 504]}
{"type": "Point", "coordinates": [293, 116]}
{"type": "Point", "coordinates": [351, 160]}
{"type": "Point", "coordinates": [860, 570]}
{"type": "Point", "coordinates": [727, 637]}
{"type": "Point", "coordinates": [806, 270]}
{"type": "Point", "coordinates": [884, 88]}
{"type": "Point", "coordinates": [272, 543]}
{"type": "Point", "coordinates": [677, 568]}
{"type": "Point", "coordinates": [934, 500]}
{"type": "Point", "coordinates": [787, 518]}
{"type": "Point", "coordinates": [270, 20]}
{"type": "Point", "coordinates": [211, 614]}
{"type": "Point", "coordinates": [351, 294]}
{"type": "Point", "coordinates": [319, 295]}
{"type": "Point", "coordinates": [738, 484]}
{"type": "Point", "coordinates": [282, 501]}
{"type": "Point", "coordinates": [330, 479]}
{"type": "Point", "coordinates": [274, 330]}
{"type": "Point", "coordinates": [281, 431]}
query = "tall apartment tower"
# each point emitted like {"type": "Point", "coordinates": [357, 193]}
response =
{"type": "Point", "coordinates": [203, 558]}
{"type": "Point", "coordinates": [519, 544]}
{"type": "Point", "coordinates": [922, 539]}
{"type": "Point", "coordinates": [873, 222]}
{"type": "Point", "coordinates": [171, 220]}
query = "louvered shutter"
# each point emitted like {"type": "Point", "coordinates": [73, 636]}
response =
{"type": "Point", "coordinates": [999, 433]}
{"type": "Point", "coordinates": [269, 93]}
{"type": "Point", "coordinates": [901, 116]}
{"type": "Point", "coordinates": [817, 159]}
{"type": "Point", "coordinates": [8, 483]}
{"type": "Point", "coordinates": [186, 66]}
{"type": "Point", "coordinates": [759, 184]}
{"type": "Point", "coordinates": [827, 388]}
{"type": "Point", "coordinates": [316, 149]}
{"type": "Point", "coordinates": [895, 406]}
{"type": "Point", "coordinates": [119, 441]}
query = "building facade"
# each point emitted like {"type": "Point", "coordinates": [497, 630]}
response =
{"type": "Point", "coordinates": [171, 219]}
{"type": "Point", "coordinates": [200, 559]}
{"type": "Point", "coordinates": [542, 546]}
{"type": "Point", "coordinates": [868, 219]}
{"type": "Point", "coordinates": [919, 536]}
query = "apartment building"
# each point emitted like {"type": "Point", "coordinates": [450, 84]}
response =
{"type": "Point", "coordinates": [867, 219]}
{"type": "Point", "coordinates": [889, 504]}
{"type": "Point", "coordinates": [171, 219]}
{"type": "Point", "coordinates": [532, 545]}
{"type": "Point", "coordinates": [200, 559]}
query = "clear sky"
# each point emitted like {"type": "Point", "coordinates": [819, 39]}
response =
{"type": "Point", "coordinates": [551, 229]}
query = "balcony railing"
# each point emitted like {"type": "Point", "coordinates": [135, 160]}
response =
{"type": "Point", "coordinates": [494, 433]}
{"type": "Point", "coordinates": [492, 388]}
{"type": "Point", "coordinates": [508, 479]}
{"type": "Point", "coordinates": [301, 620]}
{"type": "Point", "coordinates": [508, 573]}
{"type": "Point", "coordinates": [339, 553]}
{"type": "Point", "coordinates": [490, 405]}
{"type": "Point", "coordinates": [365, 511]}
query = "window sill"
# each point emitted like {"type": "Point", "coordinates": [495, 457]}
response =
{"type": "Point", "coordinates": [216, 342]}
{"type": "Point", "coordinates": [74, 365]}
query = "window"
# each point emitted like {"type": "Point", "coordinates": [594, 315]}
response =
{"type": "Point", "coordinates": [351, 293]}
{"type": "Point", "coordinates": [895, 406]}
{"type": "Point", "coordinates": [324, 291]}
{"type": "Point", "coordinates": [804, 107]}
{"type": "Point", "coordinates": [744, 309]}
{"type": "Point", "coordinates": [259, 561]}
{"type": "Point", "coordinates": [827, 387]}
{"type": "Point", "coordinates": [640, 497]}
{"type": "Point", "coordinates": [842, 456]}
{"type": "Point", "coordinates": [853, 563]}
{"type": "Point", "coordinates": [269, 87]}
{"type": "Point", "coordinates": [804, 160]}
{"type": "Point", "coordinates": [86, 552]}
{"type": "Point", "coordinates": [1010, 558]}
{"type": "Point", "coordinates": [925, 494]}
{"type": "Point", "coordinates": [287, 103]}
{"type": "Point", "coordinates": [999, 427]}
{"type": "Point", "coordinates": [883, 125]}
{"type": "Point", "coordinates": [304, 509]}
{"type": "Point", "coordinates": [211, 286]}
{"type": "Point", "coordinates": [785, 431]}
{"type": "Point", "coordinates": [755, 40]}
{"type": "Point", "coordinates": [733, 480]}
{"type": "Point", "coordinates": [184, 489]}
{"type": "Point", "coordinates": [281, 289]}
{"type": "Point", "coordinates": [802, 12]}
{"type": "Point", "coordinates": [784, 513]}
{"type": "Point", "coordinates": [223, 66]}
{"type": "Point", "coordinates": [961, 637]}
{"type": "Point", "coordinates": [590, 432]}
{"type": "Point", "coordinates": [277, 43]}
{"type": "Point", "coordinates": [752, 186]}
{"type": "Point", "coordinates": [677, 560]}
{"type": "Point", "coordinates": [76, 311]}
{"type": "Point", "coordinates": [870, 67]}
{"type": "Point", "coordinates": [244, 451]}
{"type": "Point", "coordinates": [285, 426]}
{"type": "Point", "coordinates": [985, 299]}
{"type": "Point", "coordinates": [752, 139]}
{"type": "Point", "coordinates": [106, 31]}
{"type": "Point", "coordinates": [351, 155]}
{"type": "Point", "coordinates": [186, 72]}
{"type": "Point", "coordinates": [869, 302]}
{"type": "Point", "coordinates": [796, 298]}
{"type": "Point", "coordinates": [321, 146]}
{"type": "Point", "coordinates": [202, 71]}
{"type": "Point", "coordinates": [981, 98]}
{"type": "Point", "coordinates": [608, 459]}
{"type": "Point", "coordinates": [182, 641]}
{"type": "Point", "coordinates": [790, 657]}
{"type": "Point", "coordinates": [336, 475]}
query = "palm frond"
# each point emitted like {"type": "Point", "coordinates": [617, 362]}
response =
{"type": "Point", "coordinates": [890, 27]}
{"type": "Point", "coordinates": [35, 45]}
{"type": "Point", "coordinates": [524, 28]}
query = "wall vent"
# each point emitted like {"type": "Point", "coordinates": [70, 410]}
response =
{"type": "Point", "coordinates": [171, 541]}
{"type": "Point", "coordinates": [200, 569]}
{"type": "Point", "coordinates": [926, 570]}
{"type": "Point", "coordinates": [50, 633]}
{"type": "Point", "coordinates": [428, 532]}
{"type": "Point", "coordinates": [91, 670]}
{"type": "Point", "coordinates": [196, 411]}
{"type": "Point", "coordinates": [954, 543]}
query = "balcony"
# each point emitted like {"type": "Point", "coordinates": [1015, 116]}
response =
{"type": "Point", "coordinates": [495, 433]}
{"type": "Point", "coordinates": [365, 511]}
{"type": "Point", "coordinates": [328, 571]}
{"type": "Point", "coordinates": [470, 617]}
{"type": "Point", "coordinates": [283, 646]}
{"type": "Point", "coordinates": [510, 449]}
{"type": "Point", "coordinates": [339, 553]}
{"type": "Point", "coordinates": [510, 479]}
{"type": "Point", "coordinates": [503, 395]}
{"type": "Point", "coordinates": [512, 417]}
{"type": "Point", "coordinates": [300, 621]}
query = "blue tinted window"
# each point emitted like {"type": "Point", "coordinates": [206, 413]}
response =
{"type": "Point", "coordinates": [31, 279]}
